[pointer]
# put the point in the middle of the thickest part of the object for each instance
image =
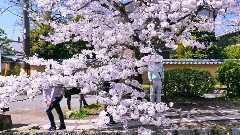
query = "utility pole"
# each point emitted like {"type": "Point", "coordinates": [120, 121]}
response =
{"type": "Point", "coordinates": [26, 35]}
{"type": "Point", "coordinates": [1, 51]}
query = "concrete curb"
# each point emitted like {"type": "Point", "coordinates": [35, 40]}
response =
{"type": "Point", "coordinates": [233, 131]}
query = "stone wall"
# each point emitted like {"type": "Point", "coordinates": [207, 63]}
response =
{"type": "Point", "coordinates": [233, 131]}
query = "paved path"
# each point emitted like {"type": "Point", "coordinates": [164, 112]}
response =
{"type": "Point", "coordinates": [193, 117]}
{"type": "Point", "coordinates": [26, 114]}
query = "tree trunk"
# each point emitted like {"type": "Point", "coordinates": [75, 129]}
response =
{"type": "Point", "coordinates": [5, 122]}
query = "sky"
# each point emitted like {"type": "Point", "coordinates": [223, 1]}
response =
{"type": "Point", "coordinates": [10, 23]}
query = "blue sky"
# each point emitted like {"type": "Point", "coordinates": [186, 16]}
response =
{"type": "Point", "coordinates": [10, 23]}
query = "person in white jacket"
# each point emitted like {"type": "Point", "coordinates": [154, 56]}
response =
{"type": "Point", "coordinates": [156, 78]}
{"type": "Point", "coordinates": [52, 96]}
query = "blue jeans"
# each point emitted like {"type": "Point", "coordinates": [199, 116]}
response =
{"type": "Point", "coordinates": [56, 105]}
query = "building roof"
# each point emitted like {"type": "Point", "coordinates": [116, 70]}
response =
{"type": "Point", "coordinates": [17, 46]}
{"type": "Point", "coordinates": [195, 61]}
{"type": "Point", "coordinates": [11, 58]}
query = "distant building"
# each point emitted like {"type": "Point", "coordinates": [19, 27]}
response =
{"type": "Point", "coordinates": [10, 61]}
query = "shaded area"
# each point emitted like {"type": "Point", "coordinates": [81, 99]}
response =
{"type": "Point", "coordinates": [19, 125]}
{"type": "Point", "coordinates": [188, 103]}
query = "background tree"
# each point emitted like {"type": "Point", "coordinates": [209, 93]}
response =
{"type": "Point", "coordinates": [182, 52]}
{"type": "Point", "coordinates": [231, 52]}
{"type": "Point", "coordinates": [231, 38]}
{"type": "Point", "coordinates": [44, 49]}
{"type": "Point", "coordinates": [4, 43]}
{"type": "Point", "coordinates": [204, 37]}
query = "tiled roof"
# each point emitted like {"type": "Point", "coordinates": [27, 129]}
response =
{"type": "Point", "coordinates": [11, 58]}
{"type": "Point", "coordinates": [195, 61]}
{"type": "Point", "coordinates": [16, 46]}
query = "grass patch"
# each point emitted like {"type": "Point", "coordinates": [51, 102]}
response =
{"type": "Point", "coordinates": [85, 112]}
{"type": "Point", "coordinates": [95, 106]}
{"type": "Point", "coordinates": [79, 115]}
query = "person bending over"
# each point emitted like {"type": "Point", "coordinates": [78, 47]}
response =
{"type": "Point", "coordinates": [52, 96]}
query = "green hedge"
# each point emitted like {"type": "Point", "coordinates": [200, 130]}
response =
{"type": "Point", "coordinates": [229, 74]}
{"type": "Point", "coordinates": [188, 82]}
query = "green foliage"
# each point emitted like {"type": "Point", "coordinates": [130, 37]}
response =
{"type": "Point", "coordinates": [76, 114]}
{"type": "Point", "coordinates": [47, 50]}
{"type": "Point", "coordinates": [228, 39]}
{"type": "Point", "coordinates": [198, 55]}
{"type": "Point", "coordinates": [86, 111]}
{"type": "Point", "coordinates": [211, 52]}
{"type": "Point", "coordinates": [220, 130]}
{"type": "Point", "coordinates": [204, 36]}
{"type": "Point", "coordinates": [16, 70]}
{"type": "Point", "coordinates": [214, 52]}
{"type": "Point", "coordinates": [229, 74]}
{"type": "Point", "coordinates": [4, 43]}
{"type": "Point", "coordinates": [182, 52]}
{"type": "Point", "coordinates": [188, 82]}
{"type": "Point", "coordinates": [96, 106]}
{"type": "Point", "coordinates": [231, 52]}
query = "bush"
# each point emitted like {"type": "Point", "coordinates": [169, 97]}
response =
{"type": "Point", "coordinates": [16, 70]}
{"type": "Point", "coordinates": [231, 52]}
{"type": "Point", "coordinates": [229, 74]}
{"type": "Point", "coordinates": [188, 82]}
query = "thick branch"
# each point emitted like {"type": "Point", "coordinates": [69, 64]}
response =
{"type": "Point", "coordinates": [191, 19]}
{"type": "Point", "coordinates": [86, 5]}
{"type": "Point", "coordinates": [123, 13]}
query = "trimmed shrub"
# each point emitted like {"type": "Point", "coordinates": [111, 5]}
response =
{"type": "Point", "coordinates": [188, 82]}
{"type": "Point", "coordinates": [229, 74]}
{"type": "Point", "coordinates": [231, 52]}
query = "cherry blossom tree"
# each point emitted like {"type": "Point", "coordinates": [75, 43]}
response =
{"type": "Point", "coordinates": [126, 37]}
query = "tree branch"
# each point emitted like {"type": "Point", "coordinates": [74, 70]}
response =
{"type": "Point", "coordinates": [123, 13]}
{"type": "Point", "coordinates": [191, 19]}
{"type": "Point", "coordinates": [86, 5]}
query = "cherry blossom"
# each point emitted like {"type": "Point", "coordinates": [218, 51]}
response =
{"type": "Point", "coordinates": [126, 37]}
